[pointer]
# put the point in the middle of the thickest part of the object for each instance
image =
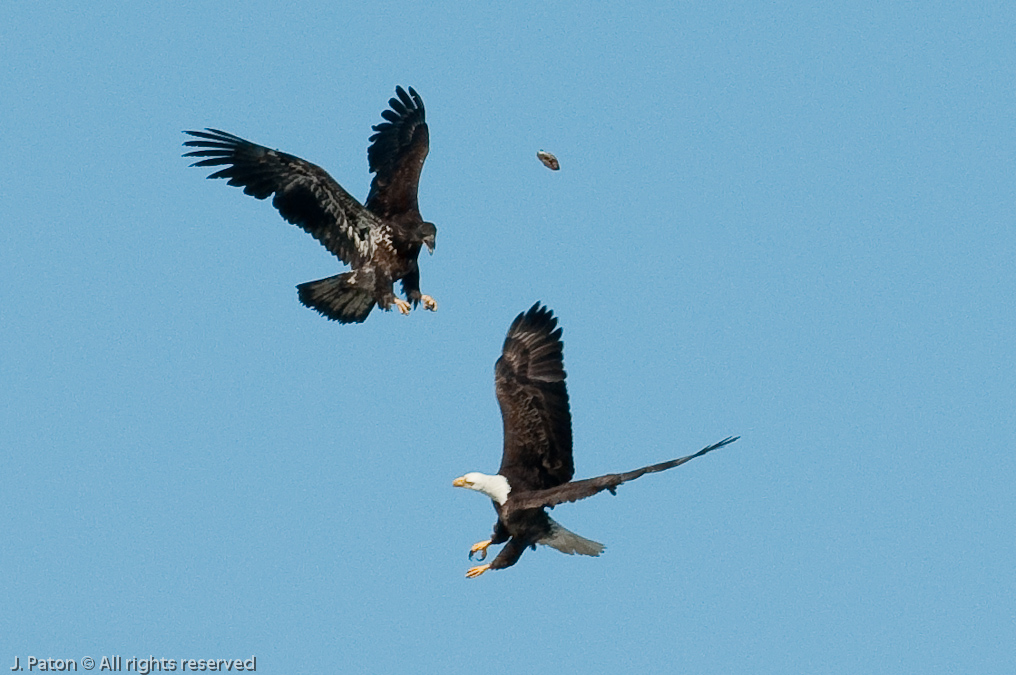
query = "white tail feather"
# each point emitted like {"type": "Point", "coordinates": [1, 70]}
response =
{"type": "Point", "coordinates": [568, 542]}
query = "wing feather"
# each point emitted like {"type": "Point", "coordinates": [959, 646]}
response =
{"type": "Point", "coordinates": [580, 489]}
{"type": "Point", "coordinates": [305, 195]}
{"type": "Point", "coordinates": [530, 384]}
{"type": "Point", "coordinates": [396, 154]}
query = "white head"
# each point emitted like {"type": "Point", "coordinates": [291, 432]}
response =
{"type": "Point", "coordinates": [495, 487]}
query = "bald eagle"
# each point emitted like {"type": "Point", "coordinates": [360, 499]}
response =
{"type": "Point", "coordinates": [380, 240]}
{"type": "Point", "coordinates": [536, 466]}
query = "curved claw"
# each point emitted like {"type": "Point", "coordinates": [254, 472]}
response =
{"type": "Point", "coordinates": [403, 306]}
{"type": "Point", "coordinates": [474, 572]}
{"type": "Point", "coordinates": [429, 303]}
{"type": "Point", "coordinates": [480, 550]}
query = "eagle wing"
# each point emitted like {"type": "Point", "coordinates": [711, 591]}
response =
{"type": "Point", "coordinates": [530, 383]}
{"type": "Point", "coordinates": [396, 154]}
{"type": "Point", "coordinates": [305, 194]}
{"type": "Point", "coordinates": [580, 489]}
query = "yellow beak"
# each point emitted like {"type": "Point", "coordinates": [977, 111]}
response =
{"type": "Point", "coordinates": [459, 482]}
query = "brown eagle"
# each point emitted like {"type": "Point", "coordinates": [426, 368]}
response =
{"type": "Point", "coordinates": [536, 466]}
{"type": "Point", "coordinates": [379, 240]}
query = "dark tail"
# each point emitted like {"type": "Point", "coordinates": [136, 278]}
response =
{"type": "Point", "coordinates": [338, 298]}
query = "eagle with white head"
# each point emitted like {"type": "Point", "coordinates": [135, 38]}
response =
{"type": "Point", "coordinates": [536, 465]}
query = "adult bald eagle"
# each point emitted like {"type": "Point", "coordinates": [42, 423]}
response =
{"type": "Point", "coordinates": [536, 467]}
{"type": "Point", "coordinates": [379, 240]}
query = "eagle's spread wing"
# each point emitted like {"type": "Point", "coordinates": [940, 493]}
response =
{"type": "Point", "coordinates": [305, 194]}
{"type": "Point", "coordinates": [580, 489]}
{"type": "Point", "coordinates": [396, 155]}
{"type": "Point", "coordinates": [529, 379]}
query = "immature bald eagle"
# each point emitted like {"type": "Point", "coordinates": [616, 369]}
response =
{"type": "Point", "coordinates": [536, 467]}
{"type": "Point", "coordinates": [380, 240]}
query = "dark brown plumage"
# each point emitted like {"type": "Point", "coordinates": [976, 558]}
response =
{"type": "Point", "coordinates": [580, 489]}
{"type": "Point", "coordinates": [537, 466]}
{"type": "Point", "coordinates": [529, 382]}
{"type": "Point", "coordinates": [380, 240]}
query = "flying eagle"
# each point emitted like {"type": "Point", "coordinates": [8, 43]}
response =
{"type": "Point", "coordinates": [379, 240]}
{"type": "Point", "coordinates": [536, 467]}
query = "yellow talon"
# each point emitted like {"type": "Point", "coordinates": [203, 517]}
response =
{"type": "Point", "coordinates": [429, 303]}
{"type": "Point", "coordinates": [481, 548]}
{"type": "Point", "coordinates": [476, 571]}
{"type": "Point", "coordinates": [403, 306]}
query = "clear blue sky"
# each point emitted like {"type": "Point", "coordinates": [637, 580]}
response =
{"type": "Point", "coordinates": [792, 222]}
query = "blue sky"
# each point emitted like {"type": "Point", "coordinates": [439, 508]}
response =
{"type": "Point", "coordinates": [790, 222]}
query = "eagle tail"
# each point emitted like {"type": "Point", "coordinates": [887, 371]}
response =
{"type": "Point", "coordinates": [568, 542]}
{"type": "Point", "coordinates": [339, 298]}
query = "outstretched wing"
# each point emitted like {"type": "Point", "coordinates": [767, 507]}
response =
{"type": "Point", "coordinates": [529, 379]}
{"type": "Point", "coordinates": [396, 155]}
{"type": "Point", "coordinates": [581, 489]}
{"type": "Point", "coordinates": [305, 194]}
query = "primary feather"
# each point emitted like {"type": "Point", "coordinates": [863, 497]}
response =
{"type": "Point", "coordinates": [305, 195]}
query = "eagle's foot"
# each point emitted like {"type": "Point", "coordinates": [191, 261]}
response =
{"type": "Point", "coordinates": [403, 306]}
{"type": "Point", "coordinates": [429, 303]}
{"type": "Point", "coordinates": [481, 549]}
{"type": "Point", "coordinates": [476, 571]}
